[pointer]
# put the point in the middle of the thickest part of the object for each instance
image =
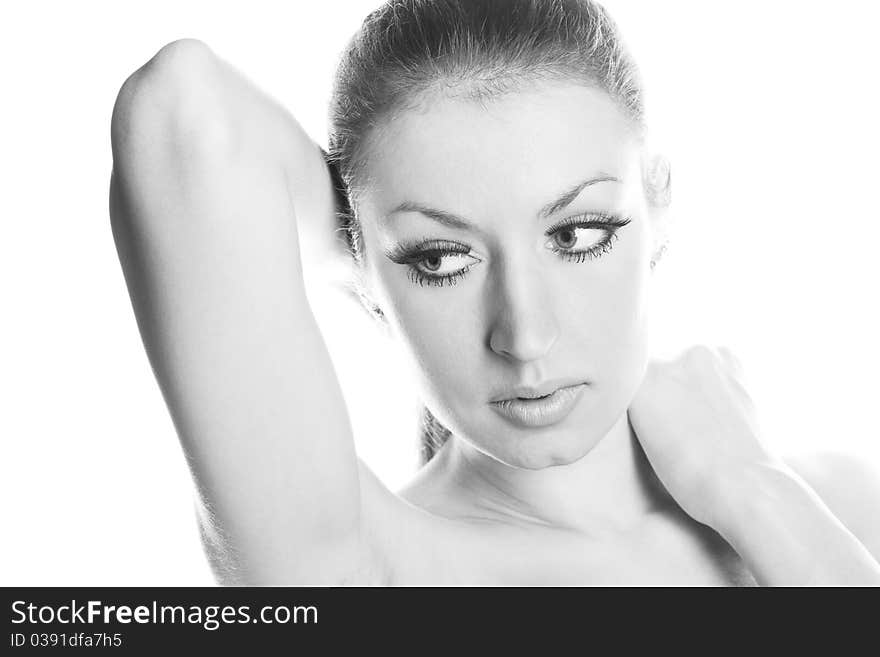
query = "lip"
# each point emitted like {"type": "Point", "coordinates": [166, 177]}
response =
{"type": "Point", "coordinates": [548, 410]}
{"type": "Point", "coordinates": [540, 390]}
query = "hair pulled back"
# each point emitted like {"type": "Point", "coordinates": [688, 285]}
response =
{"type": "Point", "coordinates": [476, 49]}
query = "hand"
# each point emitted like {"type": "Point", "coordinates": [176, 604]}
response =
{"type": "Point", "coordinates": [699, 430]}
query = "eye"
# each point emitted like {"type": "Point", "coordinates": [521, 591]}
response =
{"type": "Point", "coordinates": [434, 262]}
{"type": "Point", "coordinates": [570, 236]}
{"type": "Point", "coordinates": [442, 264]}
{"type": "Point", "coordinates": [585, 236]}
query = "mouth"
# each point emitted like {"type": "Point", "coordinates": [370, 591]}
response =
{"type": "Point", "coordinates": [538, 397]}
{"type": "Point", "coordinates": [529, 409]}
{"type": "Point", "coordinates": [538, 391]}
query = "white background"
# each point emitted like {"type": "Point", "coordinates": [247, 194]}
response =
{"type": "Point", "coordinates": [768, 111]}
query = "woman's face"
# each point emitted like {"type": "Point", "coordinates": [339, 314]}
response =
{"type": "Point", "coordinates": [508, 244]}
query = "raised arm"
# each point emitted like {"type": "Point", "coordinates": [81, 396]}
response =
{"type": "Point", "coordinates": [214, 186]}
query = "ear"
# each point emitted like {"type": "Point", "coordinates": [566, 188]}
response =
{"type": "Point", "coordinates": [657, 183]}
{"type": "Point", "coordinates": [657, 179]}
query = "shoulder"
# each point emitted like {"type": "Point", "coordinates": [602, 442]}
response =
{"type": "Point", "coordinates": [849, 484]}
{"type": "Point", "coordinates": [405, 542]}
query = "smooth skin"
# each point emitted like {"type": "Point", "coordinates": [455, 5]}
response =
{"type": "Point", "coordinates": [220, 206]}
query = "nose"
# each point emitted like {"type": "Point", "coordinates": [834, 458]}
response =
{"type": "Point", "coordinates": [524, 325]}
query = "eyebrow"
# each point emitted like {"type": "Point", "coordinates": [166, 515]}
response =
{"type": "Point", "coordinates": [455, 221]}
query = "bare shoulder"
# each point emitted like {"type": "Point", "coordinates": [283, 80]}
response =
{"type": "Point", "coordinates": [849, 484]}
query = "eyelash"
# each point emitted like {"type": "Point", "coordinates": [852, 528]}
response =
{"type": "Point", "coordinates": [610, 224]}
{"type": "Point", "coordinates": [413, 253]}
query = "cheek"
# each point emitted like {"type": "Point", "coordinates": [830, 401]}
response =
{"type": "Point", "coordinates": [438, 328]}
{"type": "Point", "coordinates": [606, 317]}
{"type": "Point", "coordinates": [619, 333]}
{"type": "Point", "coordinates": [435, 327]}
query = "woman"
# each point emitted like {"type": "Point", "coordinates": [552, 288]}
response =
{"type": "Point", "coordinates": [502, 218]}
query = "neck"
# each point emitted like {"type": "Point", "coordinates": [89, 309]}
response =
{"type": "Point", "coordinates": [612, 488]}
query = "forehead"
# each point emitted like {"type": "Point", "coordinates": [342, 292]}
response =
{"type": "Point", "coordinates": [517, 150]}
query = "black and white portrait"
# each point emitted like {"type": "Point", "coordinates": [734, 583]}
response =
{"type": "Point", "coordinates": [441, 292]}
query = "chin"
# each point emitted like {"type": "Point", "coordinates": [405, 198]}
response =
{"type": "Point", "coordinates": [565, 449]}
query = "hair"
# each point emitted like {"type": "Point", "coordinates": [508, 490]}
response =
{"type": "Point", "coordinates": [408, 50]}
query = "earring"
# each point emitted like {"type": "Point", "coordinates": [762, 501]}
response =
{"type": "Point", "coordinates": [366, 300]}
{"type": "Point", "coordinates": [658, 254]}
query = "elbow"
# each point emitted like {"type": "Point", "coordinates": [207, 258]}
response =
{"type": "Point", "coordinates": [181, 58]}
{"type": "Point", "coordinates": [172, 101]}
